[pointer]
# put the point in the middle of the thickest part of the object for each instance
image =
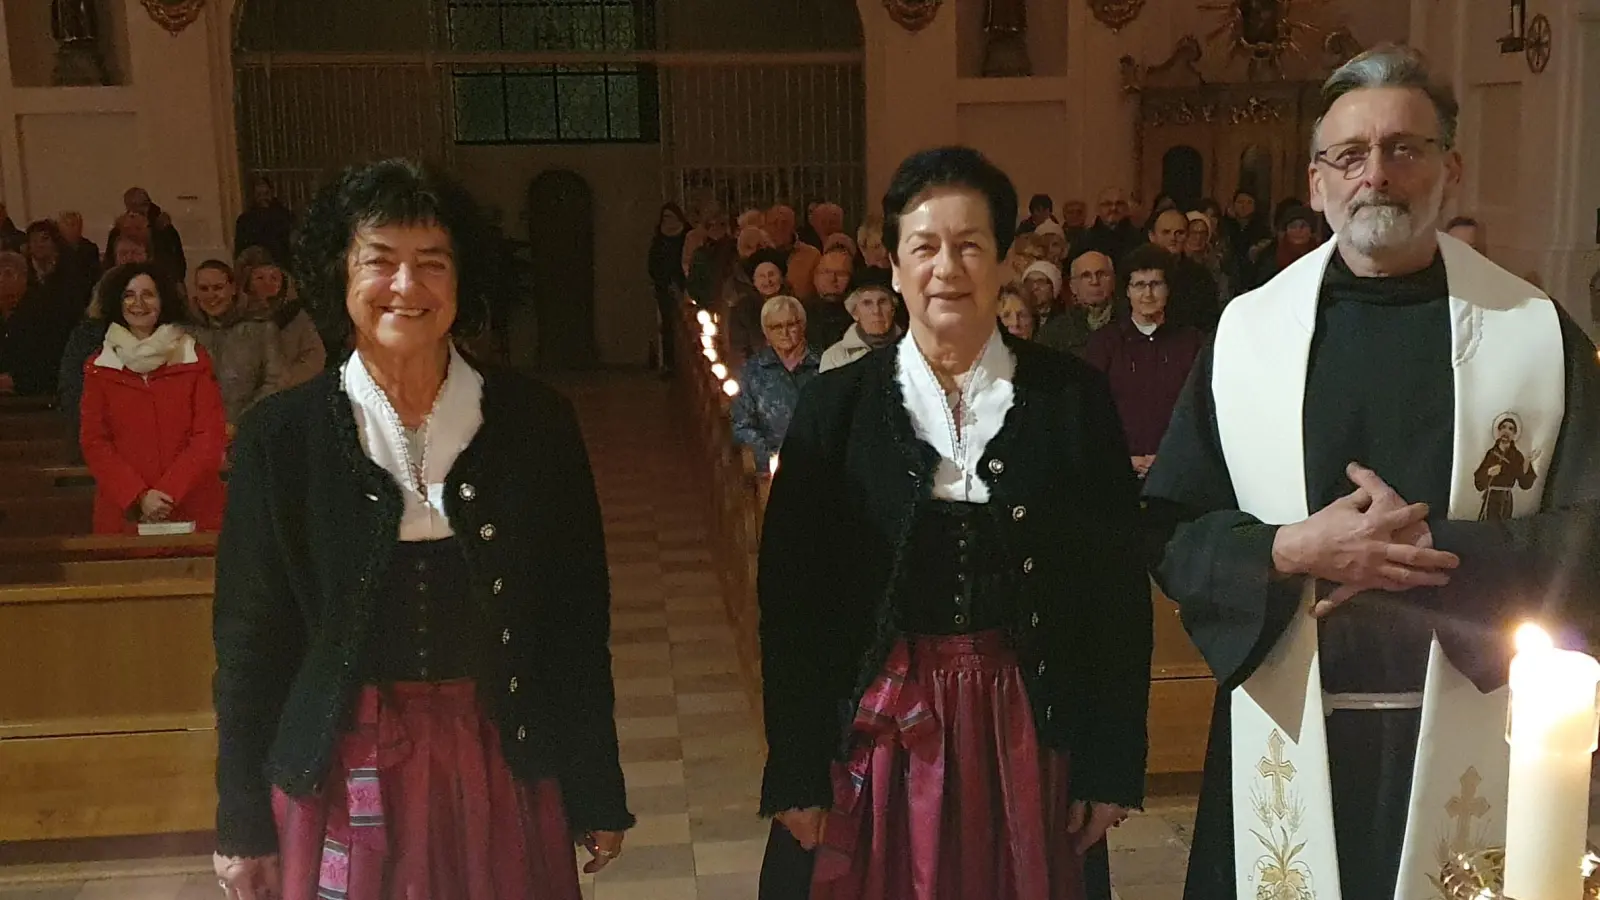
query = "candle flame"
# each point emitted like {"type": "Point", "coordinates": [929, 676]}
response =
{"type": "Point", "coordinates": [1532, 639]}
{"type": "Point", "coordinates": [710, 329]}
{"type": "Point", "coordinates": [731, 388]}
{"type": "Point", "coordinates": [707, 340]}
{"type": "Point", "coordinates": [719, 370]}
{"type": "Point", "coordinates": [710, 354]}
{"type": "Point", "coordinates": [703, 317]}
{"type": "Point", "coordinates": [772, 465]}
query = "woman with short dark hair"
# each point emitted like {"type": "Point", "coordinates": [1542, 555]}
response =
{"type": "Point", "coordinates": [955, 619]}
{"type": "Point", "coordinates": [151, 422]}
{"type": "Point", "coordinates": [413, 686]}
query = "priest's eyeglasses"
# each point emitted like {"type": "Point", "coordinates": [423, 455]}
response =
{"type": "Point", "coordinates": [1352, 157]}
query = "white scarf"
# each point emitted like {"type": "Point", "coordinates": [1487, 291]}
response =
{"type": "Point", "coordinates": [167, 344]}
{"type": "Point", "coordinates": [457, 415]}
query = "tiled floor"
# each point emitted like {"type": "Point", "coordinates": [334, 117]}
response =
{"type": "Point", "coordinates": [689, 744]}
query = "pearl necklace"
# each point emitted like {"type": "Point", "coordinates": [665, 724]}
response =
{"type": "Point", "coordinates": [416, 469]}
{"type": "Point", "coordinates": [958, 411]}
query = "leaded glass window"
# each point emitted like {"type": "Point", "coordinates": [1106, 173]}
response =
{"type": "Point", "coordinates": [553, 104]}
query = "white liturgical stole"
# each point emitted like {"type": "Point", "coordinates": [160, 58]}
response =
{"type": "Point", "coordinates": [1510, 393]}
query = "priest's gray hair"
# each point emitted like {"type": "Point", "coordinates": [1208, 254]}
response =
{"type": "Point", "coordinates": [1390, 66]}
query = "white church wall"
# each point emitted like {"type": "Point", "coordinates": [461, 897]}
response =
{"type": "Point", "coordinates": [80, 148]}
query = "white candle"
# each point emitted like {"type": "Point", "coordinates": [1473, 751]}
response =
{"type": "Point", "coordinates": [1552, 735]}
{"type": "Point", "coordinates": [772, 466]}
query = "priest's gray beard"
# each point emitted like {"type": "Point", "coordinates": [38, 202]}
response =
{"type": "Point", "coordinates": [1376, 222]}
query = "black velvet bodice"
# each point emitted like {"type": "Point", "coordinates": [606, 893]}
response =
{"type": "Point", "coordinates": [955, 577]}
{"type": "Point", "coordinates": [425, 624]}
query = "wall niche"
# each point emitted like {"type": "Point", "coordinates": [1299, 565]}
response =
{"type": "Point", "coordinates": [67, 43]}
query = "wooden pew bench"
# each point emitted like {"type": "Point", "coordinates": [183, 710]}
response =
{"type": "Point", "coordinates": [28, 479]}
{"type": "Point", "coordinates": [62, 511]}
{"type": "Point", "coordinates": [106, 726]}
{"type": "Point", "coordinates": [34, 425]}
{"type": "Point", "coordinates": [42, 450]}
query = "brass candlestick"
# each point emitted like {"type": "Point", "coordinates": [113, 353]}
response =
{"type": "Point", "coordinates": [1480, 875]}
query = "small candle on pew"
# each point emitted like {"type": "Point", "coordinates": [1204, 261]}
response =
{"type": "Point", "coordinates": [720, 371]}
{"type": "Point", "coordinates": [772, 466]}
{"type": "Point", "coordinates": [710, 354]}
{"type": "Point", "coordinates": [707, 341]}
{"type": "Point", "coordinates": [703, 317]}
{"type": "Point", "coordinates": [709, 329]}
{"type": "Point", "coordinates": [731, 388]}
{"type": "Point", "coordinates": [1553, 732]}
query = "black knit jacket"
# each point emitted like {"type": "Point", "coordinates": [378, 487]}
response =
{"type": "Point", "coordinates": [852, 475]}
{"type": "Point", "coordinates": [310, 527]}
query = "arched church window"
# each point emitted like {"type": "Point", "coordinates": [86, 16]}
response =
{"type": "Point", "coordinates": [1255, 174]}
{"type": "Point", "coordinates": [602, 101]}
{"type": "Point", "coordinates": [1183, 175]}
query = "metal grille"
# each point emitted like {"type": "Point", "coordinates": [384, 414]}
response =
{"type": "Point", "coordinates": [302, 119]}
{"type": "Point", "coordinates": [749, 134]}
{"type": "Point", "coordinates": [746, 129]}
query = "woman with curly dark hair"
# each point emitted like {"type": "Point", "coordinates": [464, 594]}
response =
{"type": "Point", "coordinates": [413, 686]}
{"type": "Point", "coordinates": [151, 421]}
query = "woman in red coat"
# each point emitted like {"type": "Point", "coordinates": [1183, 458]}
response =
{"type": "Point", "coordinates": [152, 419]}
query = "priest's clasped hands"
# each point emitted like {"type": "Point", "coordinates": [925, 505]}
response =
{"type": "Point", "coordinates": [1368, 540]}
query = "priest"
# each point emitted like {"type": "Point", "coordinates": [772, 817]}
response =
{"type": "Point", "coordinates": [1324, 533]}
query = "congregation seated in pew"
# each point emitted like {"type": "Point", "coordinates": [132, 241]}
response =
{"type": "Point", "coordinates": [152, 423]}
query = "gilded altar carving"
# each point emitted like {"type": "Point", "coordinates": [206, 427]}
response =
{"type": "Point", "coordinates": [1116, 14]}
{"type": "Point", "coordinates": [174, 15]}
{"type": "Point", "coordinates": [912, 15]}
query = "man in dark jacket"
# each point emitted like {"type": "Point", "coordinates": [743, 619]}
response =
{"type": "Point", "coordinates": [82, 253]}
{"type": "Point", "coordinates": [267, 223]}
{"type": "Point", "coordinates": [166, 246]}
{"type": "Point", "coordinates": [1195, 297]}
{"type": "Point", "coordinates": [1112, 232]}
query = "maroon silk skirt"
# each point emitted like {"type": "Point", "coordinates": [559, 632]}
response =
{"type": "Point", "coordinates": [420, 805]}
{"type": "Point", "coordinates": [947, 794]}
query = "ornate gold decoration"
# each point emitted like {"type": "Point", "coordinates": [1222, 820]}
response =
{"type": "Point", "coordinates": [1259, 111]}
{"type": "Point", "coordinates": [1341, 46]}
{"type": "Point", "coordinates": [1116, 14]}
{"type": "Point", "coordinates": [1480, 875]}
{"type": "Point", "coordinates": [1538, 44]}
{"type": "Point", "coordinates": [1279, 872]}
{"type": "Point", "coordinates": [1459, 839]}
{"type": "Point", "coordinates": [912, 15]}
{"type": "Point", "coordinates": [1181, 69]}
{"type": "Point", "coordinates": [1262, 32]}
{"type": "Point", "coordinates": [174, 15]}
{"type": "Point", "coordinates": [1179, 112]}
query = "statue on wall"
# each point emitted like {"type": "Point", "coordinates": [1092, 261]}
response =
{"type": "Point", "coordinates": [1005, 29]}
{"type": "Point", "coordinates": [77, 35]}
{"type": "Point", "coordinates": [1181, 69]}
{"type": "Point", "coordinates": [912, 15]}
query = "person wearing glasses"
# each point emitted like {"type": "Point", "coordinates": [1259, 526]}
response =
{"type": "Point", "coordinates": [770, 381]}
{"type": "Point", "coordinates": [1092, 282]}
{"type": "Point", "coordinates": [1316, 490]}
{"type": "Point", "coordinates": [1146, 358]}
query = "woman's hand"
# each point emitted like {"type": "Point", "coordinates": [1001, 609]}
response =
{"type": "Point", "coordinates": [805, 825]}
{"type": "Point", "coordinates": [154, 506]}
{"type": "Point", "coordinates": [248, 878]}
{"type": "Point", "coordinates": [1091, 821]}
{"type": "Point", "coordinates": [603, 846]}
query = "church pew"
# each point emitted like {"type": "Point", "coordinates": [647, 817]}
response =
{"type": "Point", "coordinates": [33, 425]}
{"type": "Point", "coordinates": [42, 478]}
{"type": "Point", "coordinates": [14, 403]}
{"type": "Point", "coordinates": [64, 511]}
{"type": "Point", "coordinates": [1182, 691]}
{"type": "Point", "coordinates": [35, 450]}
{"type": "Point", "coordinates": [106, 726]}
{"type": "Point", "coordinates": [101, 547]}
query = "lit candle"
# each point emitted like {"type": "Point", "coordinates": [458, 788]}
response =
{"type": "Point", "coordinates": [719, 370]}
{"type": "Point", "coordinates": [710, 354]}
{"type": "Point", "coordinates": [707, 341]}
{"type": "Point", "coordinates": [703, 317]}
{"type": "Point", "coordinates": [731, 388]}
{"type": "Point", "coordinates": [709, 329]}
{"type": "Point", "coordinates": [1552, 735]}
{"type": "Point", "coordinates": [772, 466]}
